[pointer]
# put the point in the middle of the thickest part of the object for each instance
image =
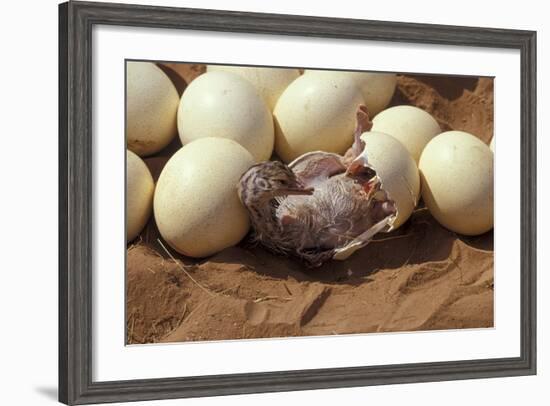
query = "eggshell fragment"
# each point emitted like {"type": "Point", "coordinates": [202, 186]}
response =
{"type": "Point", "coordinates": [377, 88]}
{"type": "Point", "coordinates": [151, 107]}
{"type": "Point", "coordinates": [316, 113]}
{"type": "Point", "coordinates": [197, 209]}
{"type": "Point", "coordinates": [397, 172]}
{"type": "Point", "coordinates": [269, 82]}
{"type": "Point", "coordinates": [492, 144]}
{"type": "Point", "coordinates": [456, 170]}
{"type": "Point", "coordinates": [139, 195]}
{"type": "Point", "coordinates": [412, 126]}
{"type": "Point", "coordinates": [223, 104]}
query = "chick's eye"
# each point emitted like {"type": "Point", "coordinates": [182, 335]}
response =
{"type": "Point", "coordinates": [262, 184]}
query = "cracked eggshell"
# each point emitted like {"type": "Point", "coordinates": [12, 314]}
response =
{"type": "Point", "coordinates": [151, 107]}
{"type": "Point", "coordinates": [456, 170]}
{"type": "Point", "coordinates": [412, 126]}
{"type": "Point", "coordinates": [377, 88]}
{"type": "Point", "coordinates": [196, 205]}
{"type": "Point", "coordinates": [315, 113]}
{"type": "Point", "coordinates": [269, 82]}
{"type": "Point", "coordinates": [223, 104]}
{"type": "Point", "coordinates": [139, 195]}
{"type": "Point", "coordinates": [397, 172]}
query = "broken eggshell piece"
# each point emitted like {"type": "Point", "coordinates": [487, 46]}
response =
{"type": "Point", "coordinates": [399, 180]}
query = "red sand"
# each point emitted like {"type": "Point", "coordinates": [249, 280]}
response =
{"type": "Point", "coordinates": [421, 277]}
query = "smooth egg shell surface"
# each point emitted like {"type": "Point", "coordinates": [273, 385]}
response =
{"type": "Point", "coordinates": [456, 170]}
{"type": "Point", "coordinates": [397, 172]}
{"type": "Point", "coordinates": [151, 108]}
{"type": "Point", "coordinates": [223, 104]}
{"type": "Point", "coordinates": [412, 126]}
{"type": "Point", "coordinates": [269, 82]}
{"type": "Point", "coordinates": [139, 195]}
{"type": "Point", "coordinates": [316, 113]}
{"type": "Point", "coordinates": [196, 205]}
{"type": "Point", "coordinates": [377, 88]}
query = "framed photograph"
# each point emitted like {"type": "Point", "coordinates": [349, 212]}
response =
{"type": "Point", "coordinates": [259, 202]}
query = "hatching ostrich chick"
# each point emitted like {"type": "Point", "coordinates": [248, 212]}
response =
{"type": "Point", "coordinates": [321, 206]}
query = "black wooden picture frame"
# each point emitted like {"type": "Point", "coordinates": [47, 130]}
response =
{"type": "Point", "coordinates": [76, 20]}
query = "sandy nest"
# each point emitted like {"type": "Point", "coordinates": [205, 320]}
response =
{"type": "Point", "coordinates": [420, 277]}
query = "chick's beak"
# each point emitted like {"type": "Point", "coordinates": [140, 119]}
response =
{"type": "Point", "coordinates": [296, 189]}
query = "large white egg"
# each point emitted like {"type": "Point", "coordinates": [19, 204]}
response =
{"type": "Point", "coordinates": [223, 104]}
{"type": "Point", "coordinates": [412, 126]}
{"type": "Point", "coordinates": [151, 107]}
{"type": "Point", "coordinates": [269, 82]}
{"type": "Point", "coordinates": [456, 170]}
{"type": "Point", "coordinates": [377, 88]}
{"type": "Point", "coordinates": [197, 209]}
{"type": "Point", "coordinates": [316, 113]}
{"type": "Point", "coordinates": [397, 172]}
{"type": "Point", "coordinates": [139, 195]}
